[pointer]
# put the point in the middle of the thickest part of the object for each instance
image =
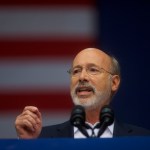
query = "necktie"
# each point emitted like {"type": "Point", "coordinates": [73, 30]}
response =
{"type": "Point", "coordinates": [92, 129]}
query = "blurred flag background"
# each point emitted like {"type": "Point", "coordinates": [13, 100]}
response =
{"type": "Point", "coordinates": [38, 40]}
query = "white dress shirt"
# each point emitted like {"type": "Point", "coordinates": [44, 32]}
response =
{"type": "Point", "coordinates": [108, 133]}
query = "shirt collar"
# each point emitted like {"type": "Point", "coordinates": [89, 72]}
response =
{"type": "Point", "coordinates": [110, 128]}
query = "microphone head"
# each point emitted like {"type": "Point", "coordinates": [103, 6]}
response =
{"type": "Point", "coordinates": [107, 115]}
{"type": "Point", "coordinates": [77, 116]}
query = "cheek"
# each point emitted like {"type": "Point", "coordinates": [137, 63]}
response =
{"type": "Point", "coordinates": [73, 83]}
{"type": "Point", "coordinates": [96, 80]}
{"type": "Point", "coordinates": [100, 84]}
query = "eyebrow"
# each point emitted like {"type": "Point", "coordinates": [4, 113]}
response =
{"type": "Point", "coordinates": [88, 65]}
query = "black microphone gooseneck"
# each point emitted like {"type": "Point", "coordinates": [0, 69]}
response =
{"type": "Point", "coordinates": [106, 119]}
{"type": "Point", "coordinates": [77, 119]}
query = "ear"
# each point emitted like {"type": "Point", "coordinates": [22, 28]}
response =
{"type": "Point", "coordinates": [115, 83]}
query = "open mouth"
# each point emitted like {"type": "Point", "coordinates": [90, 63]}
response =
{"type": "Point", "coordinates": [84, 91]}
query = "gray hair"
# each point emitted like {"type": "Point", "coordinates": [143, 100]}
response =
{"type": "Point", "coordinates": [115, 67]}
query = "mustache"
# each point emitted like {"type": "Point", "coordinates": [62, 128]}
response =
{"type": "Point", "coordinates": [84, 85]}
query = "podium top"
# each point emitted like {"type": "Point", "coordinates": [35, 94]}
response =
{"type": "Point", "coordinates": [123, 143]}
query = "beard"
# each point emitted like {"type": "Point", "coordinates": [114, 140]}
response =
{"type": "Point", "coordinates": [98, 99]}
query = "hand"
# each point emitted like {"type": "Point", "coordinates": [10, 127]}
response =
{"type": "Point", "coordinates": [29, 123]}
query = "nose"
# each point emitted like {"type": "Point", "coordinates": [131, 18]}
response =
{"type": "Point", "coordinates": [83, 76]}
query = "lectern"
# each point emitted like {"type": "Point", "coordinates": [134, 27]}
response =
{"type": "Point", "coordinates": [121, 143]}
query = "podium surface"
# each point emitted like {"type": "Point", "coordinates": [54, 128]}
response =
{"type": "Point", "coordinates": [123, 143]}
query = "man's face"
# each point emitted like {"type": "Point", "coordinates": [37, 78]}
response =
{"type": "Point", "coordinates": [91, 89]}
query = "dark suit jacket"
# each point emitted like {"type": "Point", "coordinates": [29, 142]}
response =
{"type": "Point", "coordinates": [65, 130]}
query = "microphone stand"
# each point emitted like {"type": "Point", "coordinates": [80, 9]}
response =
{"type": "Point", "coordinates": [106, 119]}
{"type": "Point", "coordinates": [83, 131]}
{"type": "Point", "coordinates": [77, 119]}
{"type": "Point", "coordinates": [103, 127]}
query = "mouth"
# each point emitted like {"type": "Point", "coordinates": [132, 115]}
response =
{"type": "Point", "coordinates": [84, 91]}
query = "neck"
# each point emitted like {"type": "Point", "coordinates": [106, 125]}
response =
{"type": "Point", "coordinates": [92, 116]}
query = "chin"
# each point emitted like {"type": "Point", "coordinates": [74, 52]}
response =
{"type": "Point", "coordinates": [87, 103]}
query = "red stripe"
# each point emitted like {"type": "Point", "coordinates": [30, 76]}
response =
{"type": "Point", "coordinates": [47, 2]}
{"type": "Point", "coordinates": [43, 48]}
{"type": "Point", "coordinates": [48, 101]}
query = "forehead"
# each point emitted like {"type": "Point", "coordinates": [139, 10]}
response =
{"type": "Point", "coordinates": [96, 57]}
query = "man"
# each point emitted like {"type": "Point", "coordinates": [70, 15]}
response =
{"type": "Point", "coordinates": [95, 78]}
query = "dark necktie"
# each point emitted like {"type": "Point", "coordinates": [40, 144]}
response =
{"type": "Point", "coordinates": [87, 126]}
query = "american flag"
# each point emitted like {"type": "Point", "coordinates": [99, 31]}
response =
{"type": "Point", "coordinates": [38, 40]}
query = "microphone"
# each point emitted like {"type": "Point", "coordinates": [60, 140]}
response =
{"type": "Point", "coordinates": [106, 119]}
{"type": "Point", "coordinates": [77, 119]}
{"type": "Point", "coordinates": [77, 116]}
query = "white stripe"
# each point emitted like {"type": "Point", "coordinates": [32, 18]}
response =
{"type": "Point", "coordinates": [34, 74]}
{"type": "Point", "coordinates": [47, 21]}
{"type": "Point", "coordinates": [7, 120]}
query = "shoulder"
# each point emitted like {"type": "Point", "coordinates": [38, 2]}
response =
{"type": "Point", "coordinates": [124, 129]}
{"type": "Point", "coordinates": [64, 129]}
{"type": "Point", "coordinates": [56, 126]}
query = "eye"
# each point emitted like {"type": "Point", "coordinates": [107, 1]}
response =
{"type": "Point", "coordinates": [93, 70]}
{"type": "Point", "coordinates": [76, 71]}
